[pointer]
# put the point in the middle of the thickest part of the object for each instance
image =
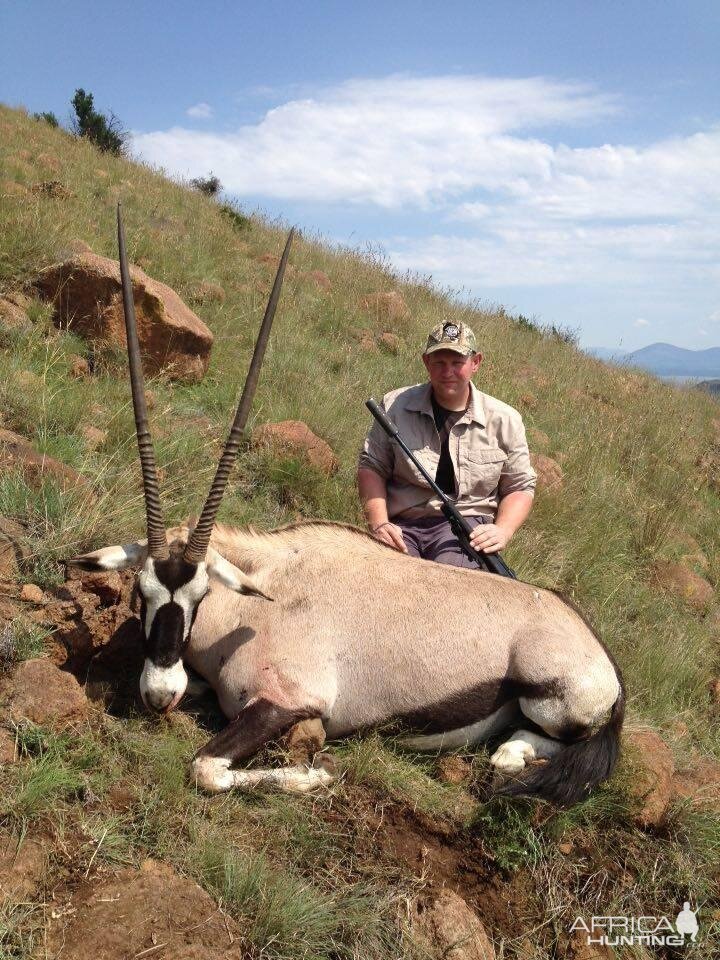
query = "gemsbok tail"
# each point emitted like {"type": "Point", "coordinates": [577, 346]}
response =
{"type": "Point", "coordinates": [570, 776]}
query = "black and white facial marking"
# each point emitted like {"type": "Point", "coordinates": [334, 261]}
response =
{"type": "Point", "coordinates": [171, 591]}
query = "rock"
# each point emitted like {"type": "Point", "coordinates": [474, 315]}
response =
{"type": "Point", "coordinates": [549, 472]}
{"type": "Point", "coordinates": [49, 162]}
{"type": "Point", "coordinates": [538, 438]}
{"type": "Point", "coordinates": [206, 292]}
{"type": "Point", "coordinates": [304, 740]}
{"type": "Point", "coordinates": [8, 752]}
{"type": "Point", "coordinates": [85, 291]}
{"type": "Point", "coordinates": [390, 342]}
{"type": "Point", "coordinates": [296, 437]}
{"type": "Point", "coordinates": [13, 551]}
{"type": "Point", "coordinates": [18, 452]}
{"type": "Point", "coordinates": [22, 867]}
{"type": "Point", "coordinates": [79, 368]}
{"type": "Point", "coordinates": [681, 581]}
{"type": "Point", "coordinates": [580, 949]}
{"type": "Point", "coordinates": [322, 280]}
{"type": "Point", "coordinates": [12, 315]}
{"type": "Point", "coordinates": [45, 695]}
{"type": "Point", "coordinates": [699, 783]}
{"type": "Point", "coordinates": [529, 400]}
{"type": "Point", "coordinates": [446, 927]}
{"type": "Point", "coordinates": [136, 911]}
{"type": "Point", "coordinates": [273, 261]}
{"type": "Point", "coordinates": [386, 306]}
{"type": "Point", "coordinates": [566, 848]}
{"type": "Point", "coordinates": [453, 769]}
{"type": "Point", "coordinates": [31, 593]}
{"type": "Point", "coordinates": [51, 188]}
{"type": "Point", "coordinates": [106, 585]}
{"type": "Point", "coordinates": [652, 782]}
{"type": "Point", "coordinates": [94, 437]}
{"type": "Point", "coordinates": [11, 188]}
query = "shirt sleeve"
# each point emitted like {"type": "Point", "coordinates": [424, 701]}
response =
{"type": "Point", "coordinates": [517, 473]}
{"type": "Point", "coordinates": [377, 453]}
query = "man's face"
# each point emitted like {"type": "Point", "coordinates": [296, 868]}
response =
{"type": "Point", "coordinates": [450, 373]}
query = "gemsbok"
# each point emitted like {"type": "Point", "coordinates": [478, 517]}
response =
{"type": "Point", "coordinates": [318, 619]}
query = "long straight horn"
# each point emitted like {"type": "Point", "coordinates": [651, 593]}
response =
{"type": "Point", "coordinates": [197, 546]}
{"type": "Point", "coordinates": [157, 541]}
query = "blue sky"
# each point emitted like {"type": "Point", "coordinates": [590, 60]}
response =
{"type": "Point", "coordinates": [560, 158]}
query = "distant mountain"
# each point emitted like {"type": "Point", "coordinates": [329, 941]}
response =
{"type": "Point", "coordinates": [710, 386]}
{"type": "Point", "coordinates": [666, 360]}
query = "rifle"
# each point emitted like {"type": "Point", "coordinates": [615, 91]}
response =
{"type": "Point", "coordinates": [492, 562]}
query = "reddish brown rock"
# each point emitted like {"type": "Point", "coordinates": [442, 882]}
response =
{"type": "Point", "coordinates": [390, 342]}
{"type": "Point", "coordinates": [45, 695]}
{"type": "Point", "coordinates": [13, 550]}
{"type": "Point", "coordinates": [682, 582]}
{"type": "Point", "coordinates": [699, 783]}
{"type": "Point", "coordinates": [321, 280]}
{"type": "Point", "coordinates": [79, 368]}
{"type": "Point", "coordinates": [134, 912]}
{"type": "Point", "coordinates": [18, 452]}
{"type": "Point", "coordinates": [529, 400]}
{"type": "Point", "coordinates": [296, 437]}
{"type": "Point", "coordinates": [206, 292]}
{"type": "Point", "coordinates": [549, 472]}
{"type": "Point", "coordinates": [31, 593]}
{"type": "Point", "coordinates": [8, 751]}
{"type": "Point", "coordinates": [12, 314]}
{"type": "Point", "coordinates": [652, 781]}
{"type": "Point", "coordinates": [386, 306]}
{"type": "Point", "coordinates": [22, 867]}
{"type": "Point", "coordinates": [715, 694]}
{"type": "Point", "coordinates": [106, 585]}
{"type": "Point", "coordinates": [94, 437]}
{"type": "Point", "coordinates": [11, 188]}
{"type": "Point", "coordinates": [85, 291]}
{"type": "Point", "coordinates": [538, 438]}
{"type": "Point", "coordinates": [444, 925]}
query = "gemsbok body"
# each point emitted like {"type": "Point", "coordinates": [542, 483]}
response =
{"type": "Point", "coordinates": [320, 620]}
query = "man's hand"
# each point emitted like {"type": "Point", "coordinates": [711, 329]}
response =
{"type": "Point", "coordinates": [391, 534]}
{"type": "Point", "coordinates": [489, 537]}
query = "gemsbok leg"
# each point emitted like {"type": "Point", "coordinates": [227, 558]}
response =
{"type": "Point", "coordinates": [260, 722]}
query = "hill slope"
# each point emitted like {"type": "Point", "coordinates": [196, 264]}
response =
{"type": "Point", "coordinates": [629, 534]}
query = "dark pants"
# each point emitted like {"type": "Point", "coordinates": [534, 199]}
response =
{"type": "Point", "coordinates": [432, 539]}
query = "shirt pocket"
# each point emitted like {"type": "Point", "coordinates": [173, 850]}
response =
{"type": "Point", "coordinates": [484, 466]}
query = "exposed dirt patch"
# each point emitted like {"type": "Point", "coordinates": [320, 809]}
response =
{"type": "Point", "coordinates": [152, 909]}
{"type": "Point", "coordinates": [22, 866]}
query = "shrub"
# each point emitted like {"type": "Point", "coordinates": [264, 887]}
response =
{"type": "Point", "coordinates": [105, 131]}
{"type": "Point", "coordinates": [48, 117]}
{"type": "Point", "coordinates": [209, 185]}
{"type": "Point", "coordinates": [238, 220]}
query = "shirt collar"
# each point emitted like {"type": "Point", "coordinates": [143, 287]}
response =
{"type": "Point", "coordinates": [422, 403]}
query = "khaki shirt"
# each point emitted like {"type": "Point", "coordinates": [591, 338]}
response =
{"type": "Point", "coordinates": [487, 447]}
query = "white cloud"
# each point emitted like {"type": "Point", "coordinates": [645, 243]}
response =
{"type": "Point", "coordinates": [714, 317]}
{"type": "Point", "coordinates": [641, 322]}
{"type": "Point", "coordinates": [201, 111]}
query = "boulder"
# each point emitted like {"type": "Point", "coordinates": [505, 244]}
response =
{"type": "Point", "coordinates": [13, 313]}
{"type": "Point", "coordinates": [206, 292]}
{"type": "Point", "coordinates": [652, 781]}
{"type": "Point", "coordinates": [453, 769]}
{"type": "Point", "coordinates": [13, 550]}
{"type": "Point", "coordinates": [295, 437]}
{"type": "Point", "coordinates": [321, 280]}
{"type": "Point", "coordinates": [86, 294]}
{"type": "Point", "coordinates": [8, 752]}
{"type": "Point", "coordinates": [94, 437]}
{"type": "Point", "coordinates": [549, 472]}
{"type": "Point", "coordinates": [386, 306]}
{"type": "Point", "coordinates": [390, 343]}
{"type": "Point", "coordinates": [45, 695]}
{"type": "Point", "coordinates": [22, 867]}
{"type": "Point", "coordinates": [79, 368]}
{"type": "Point", "coordinates": [150, 912]}
{"type": "Point", "coordinates": [18, 452]}
{"type": "Point", "coordinates": [31, 593]}
{"type": "Point", "coordinates": [681, 581]}
{"type": "Point", "coordinates": [445, 926]}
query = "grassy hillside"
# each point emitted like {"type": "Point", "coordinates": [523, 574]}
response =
{"type": "Point", "coordinates": [641, 465]}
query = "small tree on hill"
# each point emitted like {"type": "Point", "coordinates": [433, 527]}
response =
{"type": "Point", "coordinates": [105, 131]}
{"type": "Point", "coordinates": [209, 185]}
{"type": "Point", "coordinates": [48, 117]}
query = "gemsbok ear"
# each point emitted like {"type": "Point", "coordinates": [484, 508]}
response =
{"type": "Point", "coordinates": [231, 575]}
{"type": "Point", "coordinates": [112, 558]}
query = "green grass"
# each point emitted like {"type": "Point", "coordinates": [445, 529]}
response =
{"type": "Point", "coordinates": [641, 467]}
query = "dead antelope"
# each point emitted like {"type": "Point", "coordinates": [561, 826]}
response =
{"type": "Point", "coordinates": [358, 635]}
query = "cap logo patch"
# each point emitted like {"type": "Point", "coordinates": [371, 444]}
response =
{"type": "Point", "coordinates": [450, 331]}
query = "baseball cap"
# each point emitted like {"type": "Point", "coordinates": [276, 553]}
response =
{"type": "Point", "coordinates": [452, 336]}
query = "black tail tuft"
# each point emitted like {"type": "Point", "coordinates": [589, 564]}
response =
{"type": "Point", "coordinates": [570, 776]}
